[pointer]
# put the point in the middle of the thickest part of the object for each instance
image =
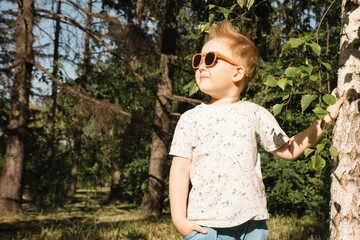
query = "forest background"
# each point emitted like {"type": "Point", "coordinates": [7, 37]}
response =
{"type": "Point", "coordinates": [110, 79]}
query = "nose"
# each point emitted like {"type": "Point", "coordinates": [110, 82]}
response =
{"type": "Point", "coordinates": [202, 65]}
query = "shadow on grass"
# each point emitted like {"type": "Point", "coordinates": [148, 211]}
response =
{"type": "Point", "coordinates": [80, 228]}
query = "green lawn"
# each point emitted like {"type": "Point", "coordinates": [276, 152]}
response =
{"type": "Point", "coordinates": [85, 218]}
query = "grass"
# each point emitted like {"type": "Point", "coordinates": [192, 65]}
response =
{"type": "Point", "coordinates": [85, 218]}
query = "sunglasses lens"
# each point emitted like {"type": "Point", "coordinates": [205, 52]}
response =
{"type": "Point", "coordinates": [196, 60]}
{"type": "Point", "coordinates": [209, 58]}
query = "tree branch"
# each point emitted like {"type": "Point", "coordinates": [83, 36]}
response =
{"type": "Point", "coordinates": [120, 60]}
{"type": "Point", "coordinates": [70, 89]}
{"type": "Point", "coordinates": [322, 19]}
{"type": "Point", "coordinates": [183, 99]}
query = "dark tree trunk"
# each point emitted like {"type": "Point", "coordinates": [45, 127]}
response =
{"type": "Point", "coordinates": [79, 124]}
{"type": "Point", "coordinates": [115, 190]}
{"type": "Point", "coordinates": [11, 177]}
{"type": "Point", "coordinates": [76, 156]}
{"type": "Point", "coordinates": [153, 197]}
{"type": "Point", "coordinates": [52, 110]}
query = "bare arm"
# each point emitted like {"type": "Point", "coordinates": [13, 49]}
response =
{"type": "Point", "coordinates": [296, 146]}
{"type": "Point", "coordinates": [179, 188]}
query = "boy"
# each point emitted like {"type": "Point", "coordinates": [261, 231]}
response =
{"type": "Point", "coordinates": [216, 146]}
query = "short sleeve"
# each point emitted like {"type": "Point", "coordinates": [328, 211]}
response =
{"type": "Point", "coordinates": [181, 144]}
{"type": "Point", "coordinates": [269, 134]}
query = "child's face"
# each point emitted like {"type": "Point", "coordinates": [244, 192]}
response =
{"type": "Point", "coordinates": [217, 81]}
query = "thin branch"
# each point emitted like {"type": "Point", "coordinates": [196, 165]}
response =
{"type": "Point", "coordinates": [8, 68]}
{"type": "Point", "coordinates": [102, 15]}
{"type": "Point", "coordinates": [322, 19]}
{"type": "Point", "coordinates": [183, 99]}
{"type": "Point", "coordinates": [121, 61]}
{"type": "Point", "coordinates": [70, 89]}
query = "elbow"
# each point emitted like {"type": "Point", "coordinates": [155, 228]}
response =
{"type": "Point", "coordinates": [287, 152]}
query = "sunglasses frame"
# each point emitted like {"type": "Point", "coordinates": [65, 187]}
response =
{"type": "Point", "coordinates": [217, 56]}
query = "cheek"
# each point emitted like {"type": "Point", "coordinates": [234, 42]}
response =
{"type": "Point", "coordinates": [197, 75]}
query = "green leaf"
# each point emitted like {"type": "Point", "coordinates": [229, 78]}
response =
{"type": "Point", "coordinates": [303, 75]}
{"type": "Point", "coordinates": [211, 6]}
{"type": "Point", "coordinates": [296, 42]}
{"type": "Point", "coordinates": [282, 83]}
{"type": "Point", "coordinates": [287, 115]}
{"type": "Point", "coordinates": [249, 3]}
{"type": "Point", "coordinates": [211, 18]}
{"type": "Point", "coordinates": [320, 147]}
{"type": "Point", "coordinates": [320, 112]}
{"type": "Point", "coordinates": [306, 100]}
{"type": "Point", "coordinates": [308, 68]}
{"type": "Point", "coordinates": [271, 81]}
{"type": "Point", "coordinates": [334, 152]}
{"type": "Point", "coordinates": [317, 162]}
{"type": "Point", "coordinates": [203, 28]}
{"type": "Point", "coordinates": [285, 97]}
{"type": "Point", "coordinates": [323, 124]}
{"type": "Point", "coordinates": [225, 11]}
{"type": "Point", "coordinates": [292, 71]}
{"type": "Point", "coordinates": [308, 37]}
{"type": "Point", "coordinates": [308, 151]}
{"type": "Point", "coordinates": [241, 3]}
{"type": "Point", "coordinates": [327, 65]}
{"type": "Point", "coordinates": [329, 99]}
{"type": "Point", "coordinates": [277, 109]}
{"type": "Point", "coordinates": [313, 78]}
{"type": "Point", "coordinates": [285, 49]}
{"type": "Point", "coordinates": [316, 48]}
{"type": "Point", "coordinates": [191, 87]}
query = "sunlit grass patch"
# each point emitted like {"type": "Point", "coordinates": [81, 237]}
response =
{"type": "Point", "coordinates": [293, 228]}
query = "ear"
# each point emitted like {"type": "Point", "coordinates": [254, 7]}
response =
{"type": "Point", "coordinates": [239, 74]}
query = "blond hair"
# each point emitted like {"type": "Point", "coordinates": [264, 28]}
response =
{"type": "Point", "coordinates": [243, 49]}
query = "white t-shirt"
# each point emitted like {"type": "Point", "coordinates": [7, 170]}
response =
{"type": "Point", "coordinates": [222, 142]}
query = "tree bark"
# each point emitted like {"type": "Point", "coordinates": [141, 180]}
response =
{"type": "Point", "coordinates": [153, 196]}
{"type": "Point", "coordinates": [345, 186]}
{"type": "Point", "coordinates": [11, 177]}
{"type": "Point", "coordinates": [79, 124]}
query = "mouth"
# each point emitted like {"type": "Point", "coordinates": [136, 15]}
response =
{"type": "Point", "coordinates": [203, 77]}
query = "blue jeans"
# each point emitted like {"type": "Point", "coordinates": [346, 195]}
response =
{"type": "Point", "coordinates": [251, 230]}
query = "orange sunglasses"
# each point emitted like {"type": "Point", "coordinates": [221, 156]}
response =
{"type": "Point", "coordinates": [210, 59]}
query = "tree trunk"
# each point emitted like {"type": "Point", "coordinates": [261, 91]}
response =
{"type": "Point", "coordinates": [11, 177]}
{"type": "Point", "coordinates": [153, 196]}
{"type": "Point", "coordinates": [52, 110]}
{"type": "Point", "coordinates": [345, 186]}
{"type": "Point", "coordinates": [115, 190]}
{"type": "Point", "coordinates": [79, 125]}
{"type": "Point", "coordinates": [139, 12]}
{"type": "Point", "coordinates": [76, 156]}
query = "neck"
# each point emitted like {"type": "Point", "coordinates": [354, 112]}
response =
{"type": "Point", "coordinates": [224, 101]}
